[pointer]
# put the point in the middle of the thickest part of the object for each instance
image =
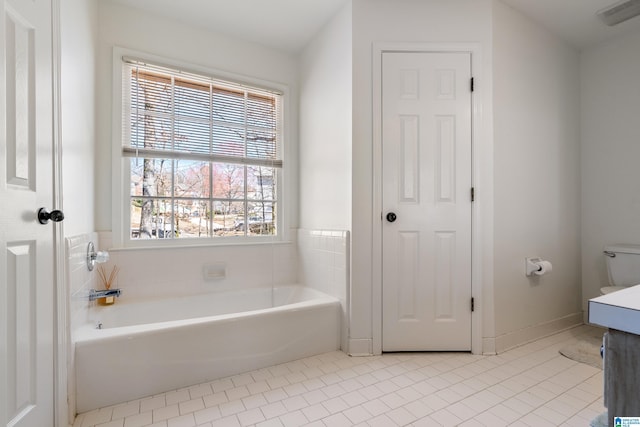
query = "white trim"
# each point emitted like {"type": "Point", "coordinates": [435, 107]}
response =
{"type": "Point", "coordinates": [120, 217]}
{"type": "Point", "coordinates": [533, 333]}
{"type": "Point", "coordinates": [62, 339]}
{"type": "Point", "coordinates": [151, 153]}
{"type": "Point", "coordinates": [192, 243]}
{"type": "Point", "coordinates": [478, 209]}
{"type": "Point", "coordinates": [360, 347]}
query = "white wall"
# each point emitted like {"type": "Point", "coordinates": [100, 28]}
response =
{"type": "Point", "coordinates": [325, 127]}
{"type": "Point", "coordinates": [78, 39]}
{"type": "Point", "coordinates": [610, 152]}
{"type": "Point", "coordinates": [130, 28]}
{"type": "Point", "coordinates": [78, 43]}
{"type": "Point", "coordinates": [423, 21]}
{"type": "Point", "coordinates": [325, 161]}
{"type": "Point", "coordinates": [79, 25]}
{"type": "Point", "coordinates": [537, 178]}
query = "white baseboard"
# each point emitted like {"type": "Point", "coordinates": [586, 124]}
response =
{"type": "Point", "coordinates": [489, 346]}
{"type": "Point", "coordinates": [360, 347]}
{"type": "Point", "coordinates": [532, 333]}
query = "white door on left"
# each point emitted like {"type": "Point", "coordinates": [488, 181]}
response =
{"type": "Point", "coordinates": [27, 298]}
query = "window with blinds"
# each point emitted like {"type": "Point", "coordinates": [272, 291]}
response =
{"type": "Point", "coordinates": [204, 154]}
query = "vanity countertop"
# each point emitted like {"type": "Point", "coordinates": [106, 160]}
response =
{"type": "Point", "coordinates": [618, 310]}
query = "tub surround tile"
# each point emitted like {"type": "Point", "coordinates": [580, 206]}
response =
{"type": "Point", "coordinates": [323, 256]}
{"type": "Point", "coordinates": [79, 279]}
{"type": "Point", "coordinates": [272, 264]}
{"type": "Point", "coordinates": [323, 264]}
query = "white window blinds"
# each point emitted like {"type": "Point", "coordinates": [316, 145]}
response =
{"type": "Point", "coordinates": [178, 115]}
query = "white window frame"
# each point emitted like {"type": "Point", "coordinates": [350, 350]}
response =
{"type": "Point", "coordinates": [121, 197]}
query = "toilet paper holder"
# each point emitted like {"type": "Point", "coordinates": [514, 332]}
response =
{"type": "Point", "coordinates": [536, 266]}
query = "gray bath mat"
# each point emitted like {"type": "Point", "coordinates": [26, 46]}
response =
{"type": "Point", "coordinates": [586, 348]}
{"type": "Point", "coordinates": [600, 421]}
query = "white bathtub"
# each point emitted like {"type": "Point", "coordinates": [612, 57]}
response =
{"type": "Point", "coordinates": [149, 347]}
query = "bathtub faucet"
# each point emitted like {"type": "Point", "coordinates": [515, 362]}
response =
{"type": "Point", "coordinates": [95, 294]}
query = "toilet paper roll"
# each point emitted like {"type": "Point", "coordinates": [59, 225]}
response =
{"type": "Point", "coordinates": [544, 268]}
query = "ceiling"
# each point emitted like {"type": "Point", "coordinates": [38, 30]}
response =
{"type": "Point", "coordinates": [288, 25]}
{"type": "Point", "coordinates": [574, 20]}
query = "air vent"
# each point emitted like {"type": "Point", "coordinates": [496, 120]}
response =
{"type": "Point", "coordinates": [620, 12]}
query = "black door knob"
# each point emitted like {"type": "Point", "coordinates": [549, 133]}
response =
{"type": "Point", "coordinates": [44, 216]}
{"type": "Point", "coordinates": [391, 217]}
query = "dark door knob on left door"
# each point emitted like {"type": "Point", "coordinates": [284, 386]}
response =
{"type": "Point", "coordinates": [391, 217]}
{"type": "Point", "coordinates": [44, 216]}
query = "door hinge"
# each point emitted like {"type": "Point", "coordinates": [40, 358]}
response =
{"type": "Point", "coordinates": [473, 194]}
{"type": "Point", "coordinates": [473, 304]}
{"type": "Point", "coordinates": [472, 84]}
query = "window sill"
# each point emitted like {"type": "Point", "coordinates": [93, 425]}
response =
{"type": "Point", "coordinates": [207, 245]}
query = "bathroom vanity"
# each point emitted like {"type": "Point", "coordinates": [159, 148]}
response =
{"type": "Point", "coordinates": [620, 313]}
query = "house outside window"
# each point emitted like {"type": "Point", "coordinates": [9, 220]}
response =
{"type": "Point", "coordinates": [202, 157]}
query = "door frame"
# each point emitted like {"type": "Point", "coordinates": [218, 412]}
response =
{"type": "Point", "coordinates": [477, 171]}
{"type": "Point", "coordinates": [61, 337]}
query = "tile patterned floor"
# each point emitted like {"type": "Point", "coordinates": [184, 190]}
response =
{"type": "Point", "coordinates": [532, 385]}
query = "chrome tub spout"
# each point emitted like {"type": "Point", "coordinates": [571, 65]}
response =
{"type": "Point", "coordinates": [95, 294]}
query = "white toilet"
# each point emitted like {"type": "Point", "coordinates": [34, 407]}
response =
{"type": "Point", "coordinates": [623, 264]}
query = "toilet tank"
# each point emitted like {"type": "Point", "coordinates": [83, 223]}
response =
{"type": "Point", "coordinates": [624, 267]}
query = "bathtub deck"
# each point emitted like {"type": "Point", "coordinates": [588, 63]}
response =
{"type": "Point", "coordinates": [532, 385]}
